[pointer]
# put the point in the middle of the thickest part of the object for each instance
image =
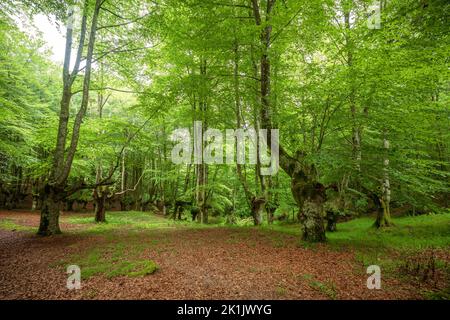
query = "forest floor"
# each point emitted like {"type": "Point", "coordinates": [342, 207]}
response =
{"type": "Point", "coordinates": [138, 255]}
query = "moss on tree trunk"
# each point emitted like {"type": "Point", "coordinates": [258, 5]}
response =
{"type": "Point", "coordinates": [50, 210]}
{"type": "Point", "coordinates": [312, 224]}
{"type": "Point", "coordinates": [258, 210]}
{"type": "Point", "coordinates": [99, 201]}
{"type": "Point", "coordinates": [383, 216]}
{"type": "Point", "coordinates": [310, 197]}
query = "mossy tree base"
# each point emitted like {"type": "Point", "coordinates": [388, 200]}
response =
{"type": "Point", "coordinates": [99, 203]}
{"type": "Point", "coordinates": [312, 224]}
{"type": "Point", "coordinates": [50, 211]}
{"type": "Point", "coordinates": [383, 217]}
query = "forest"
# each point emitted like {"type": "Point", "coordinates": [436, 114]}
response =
{"type": "Point", "coordinates": [224, 149]}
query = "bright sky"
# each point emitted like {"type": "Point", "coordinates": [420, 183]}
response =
{"type": "Point", "coordinates": [54, 39]}
{"type": "Point", "coordinates": [53, 36]}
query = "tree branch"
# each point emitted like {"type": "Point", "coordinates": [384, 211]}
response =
{"type": "Point", "coordinates": [124, 23]}
{"type": "Point", "coordinates": [134, 188]}
{"type": "Point", "coordinates": [76, 67]}
{"type": "Point", "coordinates": [108, 88]}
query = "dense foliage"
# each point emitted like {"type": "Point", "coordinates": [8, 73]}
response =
{"type": "Point", "coordinates": [363, 112]}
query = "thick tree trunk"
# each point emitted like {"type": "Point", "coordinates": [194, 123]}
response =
{"type": "Point", "coordinates": [50, 211]}
{"type": "Point", "coordinates": [258, 210]}
{"type": "Point", "coordinates": [11, 200]}
{"type": "Point", "coordinates": [310, 197]}
{"type": "Point", "coordinates": [312, 226]}
{"type": "Point", "coordinates": [307, 192]}
{"type": "Point", "coordinates": [100, 215]}
{"type": "Point", "coordinates": [383, 217]}
{"type": "Point", "coordinates": [201, 193]}
{"type": "Point", "coordinates": [99, 204]}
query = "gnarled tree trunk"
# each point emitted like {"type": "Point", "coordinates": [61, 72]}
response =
{"type": "Point", "coordinates": [383, 214]}
{"type": "Point", "coordinates": [50, 211]}
{"type": "Point", "coordinates": [311, 218]}
{"type": "Point", "coordinates": [258, 210]}
{"type": "Point", "coordinates": [310, 197]}
{"type": "Point", "coordinates": [308, 193]}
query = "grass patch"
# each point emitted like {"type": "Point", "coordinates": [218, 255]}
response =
{"type": "Point", "coordinates": [409, 233]}
{"type": "Point", "coordinates": [280, 291]}
{"type": "Point", "coordinates": [420, 232]}
{"type": "Point", "coordinates": [328, 289]}
{"type": "Point", "coordinates": [389, 247]}
{"type": "Point", "coordinates": [438, 295]}
{"type": "Point", "coordinates": [133, 268]}
{"type": "Point", "coordinates": [117, 259]}
{"type": "Point", "coordinates": [130, 221]}
{"type": "Point", "coordinates": [9, 225]}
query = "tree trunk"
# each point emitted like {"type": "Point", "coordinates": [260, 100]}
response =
{"type": "Point", "coordinates": [53, 193]}
{"type": "Point", "coordinates": [384, 214]}
{"type": "Point", "coordinates": [50, 210]}
{"type": "Point", "coordinates": [99, 204]}
{"type": "Point", "coordinates": [123, 207]}
{"type": "Point", "coordinates": [34, 204]}
{"type": "Point", "coordinates": [202, 169]}
{"type": "Point", "coordinates": [258, 210]}
{"type": "Point", "coordinates": [383, 217]}
{"type": "Point", "coordinates": [310, 197]}
{"type": "Point", "coordinates": [256, 204]}
{"type": "Point", "coordinates": [307, 193]}
{"type": "Point", "coordinates": [312, 226]}
{"type": "Point", "coordinates": [100, 215]}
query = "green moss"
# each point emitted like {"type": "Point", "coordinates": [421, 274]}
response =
{"type": "Point", "coordinates": [112, 260]}
{"type": "Point", "coordinates": [280, 291]}
{"type": "Point", "coordinates": [418, 232]}
{"type": "Point", "coordinates": [9, 225]}
{"type": "Point", "coordinates": [94, 264]}
{"type": "Point", "coordinates": [307, 276]}
{"type": "Point", "coordinates": [328, 289]}
{"type": "Point", "coordinates": [438, 295]}
{"type": "Point", "coordinates": [130, 221]}
{"type": "Point", "coordinates": [133, 268]}
{"type": "Point", "coordinates": [278, 243]}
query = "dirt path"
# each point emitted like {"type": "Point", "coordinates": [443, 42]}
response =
{"type": "Point", "coordinates": [211, 263]}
